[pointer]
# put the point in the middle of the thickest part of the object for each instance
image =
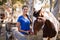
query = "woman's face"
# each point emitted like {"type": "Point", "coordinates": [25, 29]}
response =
{"type": "Point", "coordinates": [25, 10]}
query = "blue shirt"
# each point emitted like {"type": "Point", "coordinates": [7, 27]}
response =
{"type": "Point", "coordinates": [24, 24]}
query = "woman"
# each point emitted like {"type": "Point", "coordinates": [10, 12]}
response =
{"type": "Point", "coordinates": [23, 22]}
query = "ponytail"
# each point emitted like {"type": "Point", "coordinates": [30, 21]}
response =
{"type": "Point", "coordinates": [29, 19]}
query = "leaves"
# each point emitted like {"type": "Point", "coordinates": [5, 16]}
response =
{"type": "Point", "coordinates": [2, 2]}
{"type": "Point", "coordinates": [14, 1]}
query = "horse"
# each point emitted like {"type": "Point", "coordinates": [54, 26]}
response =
{"type": "Point", "coordinates": [49, 29]}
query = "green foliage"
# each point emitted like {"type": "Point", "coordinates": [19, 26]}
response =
{"type": "Point", "coordinates": [22, 1]}
{"type": "Point", "coordinates": [14, 1]}
{"type": "Point", "coordinates": [3, 1]}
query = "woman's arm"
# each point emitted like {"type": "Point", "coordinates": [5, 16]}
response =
{"type": "Point", "coordinates": [18, 25]}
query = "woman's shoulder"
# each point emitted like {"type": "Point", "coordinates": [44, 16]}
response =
{"type": "Point", "coordinates": [20, 16]}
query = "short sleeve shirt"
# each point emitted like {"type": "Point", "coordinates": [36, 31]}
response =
{"type": "Point", "coordinates": [24, 23]}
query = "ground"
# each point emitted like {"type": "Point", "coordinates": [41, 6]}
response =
{"type": "Point", "coordinates": [39, 37]}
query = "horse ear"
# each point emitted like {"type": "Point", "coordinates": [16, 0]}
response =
{"type": "Point", "coordinates": [39, 11]}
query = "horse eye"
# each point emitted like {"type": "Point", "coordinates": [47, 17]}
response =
{"type": "Point", "coordinates": [40, 19]}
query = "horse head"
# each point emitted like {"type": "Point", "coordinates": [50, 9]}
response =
{"type": "Point", "coordinates": [38, 23]}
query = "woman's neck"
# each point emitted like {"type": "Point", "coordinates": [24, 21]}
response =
{"type": "Point", "coordinates": [24, 15]}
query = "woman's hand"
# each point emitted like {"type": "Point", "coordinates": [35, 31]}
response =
{"type": "Point", "coordinates": [24, 31]}
{"type": "Point", "coordinates": [30, 32]}
{"type": "Point", "coordinates": [27, 32]}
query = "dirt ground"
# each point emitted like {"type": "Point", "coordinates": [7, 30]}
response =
{"type": "Point", "coordinates": [39, 37]}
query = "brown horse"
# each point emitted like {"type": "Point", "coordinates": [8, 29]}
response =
{"type": "Point", "coordinates": [48, 29]}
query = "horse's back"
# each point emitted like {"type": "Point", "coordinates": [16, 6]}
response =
{"type": "Point", "coordinates": [49, 29]}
